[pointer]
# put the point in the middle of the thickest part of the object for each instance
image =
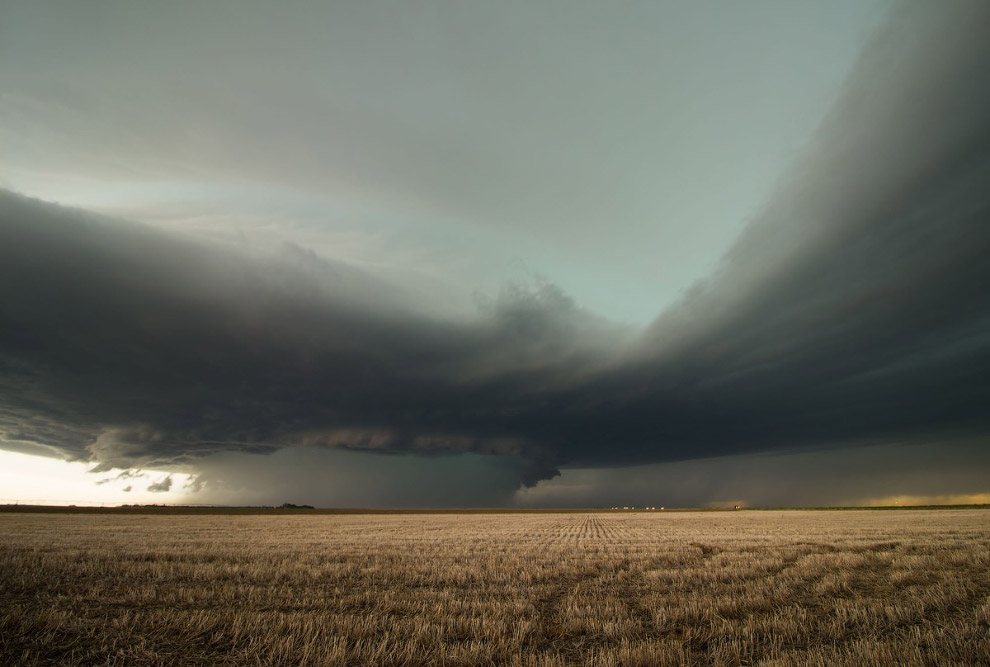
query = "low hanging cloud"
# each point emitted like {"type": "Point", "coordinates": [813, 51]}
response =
{"type": "Point", "coordinates": [162, 485]}
{"type": "Point", "coordinates": [854, 309]}
{"type": "Point", "coordinates": [956, 472]}
{"type": "Point", "coordinates": [121, 476]}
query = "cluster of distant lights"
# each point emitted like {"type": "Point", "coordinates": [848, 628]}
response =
{"type": "Point", "coordinates": [640, 508]}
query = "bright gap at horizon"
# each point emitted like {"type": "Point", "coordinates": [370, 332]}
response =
{"type": "Point", "coordinates": [39, 480]}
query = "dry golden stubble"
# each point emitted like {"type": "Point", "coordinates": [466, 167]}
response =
{"type": "Point", "coordinates": [774, 588]}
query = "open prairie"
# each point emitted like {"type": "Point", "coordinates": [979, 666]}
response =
{"type": "Point", "coordinates": [747, 587]}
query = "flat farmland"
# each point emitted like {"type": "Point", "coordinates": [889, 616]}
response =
{"type": "Point", "coordinates": [746, 587]}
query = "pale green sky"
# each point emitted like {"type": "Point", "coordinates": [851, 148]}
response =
{"type": "Point", "coordinates": [616, 149]}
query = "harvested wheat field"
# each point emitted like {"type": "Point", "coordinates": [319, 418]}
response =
{"type": "Point", "coordinates": [728, 588]}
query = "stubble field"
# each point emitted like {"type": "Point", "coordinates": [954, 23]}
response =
{"type": "Point", "coordinates": [781, 588]}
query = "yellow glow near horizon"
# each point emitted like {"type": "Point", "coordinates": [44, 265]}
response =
{"type": "Point", "coordinates": [935, 499]}
{"type": "Point", "coordinates": [39, 480]}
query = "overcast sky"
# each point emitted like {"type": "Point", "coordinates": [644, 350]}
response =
{"type": "Point", "coordinates": [390, 253]}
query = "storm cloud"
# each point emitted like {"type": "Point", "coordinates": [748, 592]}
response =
{"type": "Point", "coordinates": [158, 348]}
{"type": "Point", "coordinates": [162, 485]}
{"type": "Point", "coordinates": [853, 310]}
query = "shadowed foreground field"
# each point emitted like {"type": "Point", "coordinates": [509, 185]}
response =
{"type": "Point", "coordinates": [788, 588]}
